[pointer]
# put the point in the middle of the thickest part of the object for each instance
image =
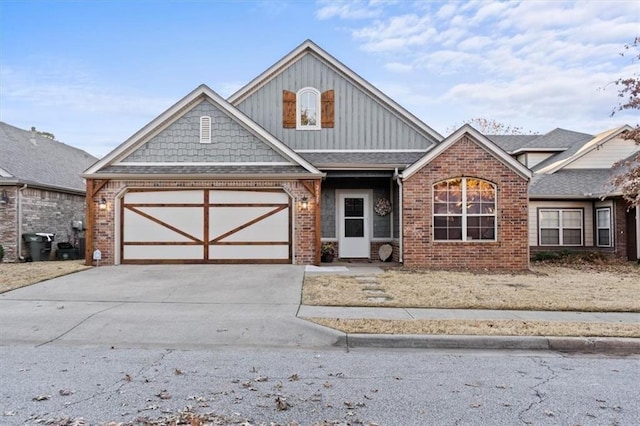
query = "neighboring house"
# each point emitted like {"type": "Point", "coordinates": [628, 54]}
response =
{"type": "Point", "coordinates": [41, 190]}
{"type": "Point", "coordinates": [571, 203]}
{"type": "Point", "coordinates": [306, 152]}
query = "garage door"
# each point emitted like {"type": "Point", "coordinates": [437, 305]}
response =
{"type": "Point", "coordinates": [206, 226]}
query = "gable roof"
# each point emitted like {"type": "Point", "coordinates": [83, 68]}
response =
{"type": "Point", "coordinates": [309, 47]}
{"type": "Point", "coordinates": [110, 161]}
{"type": "Point", "coordinates": [481, 139]}
{"type": "Point", "coordinates": [27, 157]}
{"type": "Point", "coordinates": [511, 143]}
{"type": "Point", "coordinates": [579, 148]}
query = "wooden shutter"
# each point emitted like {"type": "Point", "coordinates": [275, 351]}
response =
{"type": "Point", "coordinates": [288, 109]}
{"type": "Point", "coordinates": [327, 107]}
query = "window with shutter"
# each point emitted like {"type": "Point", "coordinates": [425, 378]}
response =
{"type": "Point", "coordinates": [288, 109]}
{"type": "Point", "coordinates": [205, 129]}
{"type": "Point", "coordinates": [308, 109]}
{"type": "Point", "coordinates": [327, 112]}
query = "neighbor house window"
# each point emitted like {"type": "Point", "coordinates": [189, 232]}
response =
{"type": "Point", "coordinates": [464, 209]}
{"type": "Point", "coordinates": [603, 227]}
{"type": "Point", "coordinates": [560, 227]}
{"type": "Point", "coordinates": [205, 129]}
{"type": "Point", "coordinates": [308, 109]}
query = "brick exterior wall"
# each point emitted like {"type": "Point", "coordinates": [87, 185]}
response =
{"type": "Point", "coordinates": [42, 211]}
{"type": "Point", "coordinates": [465, 158]}
{"type": "Point", "coordinates": [104, 237]}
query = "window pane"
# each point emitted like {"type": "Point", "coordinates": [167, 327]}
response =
{"type": "Point", "coordinates": [603, 237]}
{"type": "Point", "coordinates": [354, 227]}
{"type": "Point", "coordinates": [308, 106]}
{"type": "Point", "coordinates": [354, 207]}
{"type": "Point", "coordinates": [549, 219]}
{"type": "Point", "coordinates": [571, 219]}
{"type": "Point", "coordinates": [440, 208]}
{"type": "Point", "coordinates": [572, 237]}
{"type": "Point", "coordinates": [447, 228]}
{"type": "Point", "coordinates": [549, 236]}
{"type": "Point", "coordinates": [603, 218]}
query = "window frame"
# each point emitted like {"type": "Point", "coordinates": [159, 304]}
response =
{"type": "Point", "coordinates": [560, 228]}
{"type": "Point", "coordinates": [464, 215]}
{"type": "Point", "coordinates": [598, 228]}
{"type": "Point", "coordinates": [318, 106]}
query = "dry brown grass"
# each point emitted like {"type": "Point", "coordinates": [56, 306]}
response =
{"type": "Point", "coordinates": [16, 275]}
{"type": "Point", "coordinates": [481, 327]}
{"type": "Point", "coordinates": [544, 288]}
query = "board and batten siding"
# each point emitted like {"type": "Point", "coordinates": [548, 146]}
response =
{"type": "Point", "coordinates": [604, 157]}
{"type": "Point", "coordinates": [361, 121]}
{"type": "Point", "coordinates": [587, 225]}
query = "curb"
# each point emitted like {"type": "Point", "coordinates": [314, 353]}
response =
{"type": "Point", "coordinates": [601, 345]}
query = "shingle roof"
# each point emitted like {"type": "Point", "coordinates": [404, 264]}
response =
{"type": "Point", "coordinates": [392, 159]}
{"type": "Point", "coordinates": [34, 159]}
{"type": "Point", "coordinates": [558, 139]}
{"type": "Point", "coordinates": [570, 183]}
{"type": "Point", "coordinates": [511, 143]}
{"type": "Point", "coordinates": [203, 170]}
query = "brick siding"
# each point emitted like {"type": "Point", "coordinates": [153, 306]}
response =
{"type": "Point", "coordinates": [42, 211]}
{"type": "Point", "coordinates": [465, 158]}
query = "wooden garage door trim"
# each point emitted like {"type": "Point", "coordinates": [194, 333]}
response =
{"type": "Point", "coordinates": [206, 207]}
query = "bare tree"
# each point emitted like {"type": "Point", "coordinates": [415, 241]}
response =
{"type": "Point", "coordinates": [626, 172]}
{"type": "Point", "coordinates": [489, 126]}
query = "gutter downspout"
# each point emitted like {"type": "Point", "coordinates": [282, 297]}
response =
{"type": "Point", "coordinates": [20, 221]}
{"type": "Point", "coordinates": [398, 180]}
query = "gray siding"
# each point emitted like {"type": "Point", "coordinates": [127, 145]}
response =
{"type": "Point", "coordinates": [180, 142]}
{"type": "Point", "coordinates": [360, 121]}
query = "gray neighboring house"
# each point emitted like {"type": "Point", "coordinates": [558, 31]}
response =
{"type": "Point", "coordinates": [571, 203]}
{"type": "Point", "coordinates": [41, 190]}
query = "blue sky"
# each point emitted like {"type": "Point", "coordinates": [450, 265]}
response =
{"type": "Point", "coordinates": [95, 72]}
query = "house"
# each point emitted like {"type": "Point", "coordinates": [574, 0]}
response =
{"type": "Point", "coordinates": [571, 203]}
{"type": "Point", "coordinates": [305, 153]}
{"type": "Point", "coordinates": [41, 190]}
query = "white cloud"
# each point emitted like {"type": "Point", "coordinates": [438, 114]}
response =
{"type": "Point", "coordinates": [349, 9]}
{"type": "Point", "coordinates": [538, 61]}
{"type": "Point", "coordinates": [398, 67]}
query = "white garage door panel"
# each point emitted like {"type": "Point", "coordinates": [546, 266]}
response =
{"type": "Point", "coordinates": [226, 219]}
{"type": "Point", "coordinates": [242, 226]}
{"type": "Point", "coordinates": [249, 252]}
{"type": "Point", "coordinates": [220, 197]}
{"type": "Point", "coordinates": [140, 228]}
{"type": "Point", "coordinates": [160, 197]}
{"type": "Point", "coordinates": [162, 252]}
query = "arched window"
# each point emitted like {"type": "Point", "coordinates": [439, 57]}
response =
{"type": "Point", "coordinates": [464, 209]}
{"type": "Point", "coordinates": [308, 109]}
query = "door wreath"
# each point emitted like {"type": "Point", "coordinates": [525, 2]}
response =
{"type": "Point", "coordinates": [382, 207]}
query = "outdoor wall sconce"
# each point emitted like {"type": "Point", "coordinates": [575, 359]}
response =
{"type": "Point", "coordinates": [4, 197]}
{"type": "Point", "coordinates": [103, 204]}
{"type": "Point", "coordinates": [305, 203]}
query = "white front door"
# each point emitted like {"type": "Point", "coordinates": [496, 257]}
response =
{"type": "Point", "coordinates": [353, 214]}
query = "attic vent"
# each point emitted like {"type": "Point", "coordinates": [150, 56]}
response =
{"type": "Point", "coordinates": [205, 129]}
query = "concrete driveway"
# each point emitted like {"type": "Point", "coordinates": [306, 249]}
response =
{"type": "Point", "coordinates": [164, 306]}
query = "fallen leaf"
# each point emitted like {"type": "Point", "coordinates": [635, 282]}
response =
{"type": "Point", "coordinates": [281, 404]}
{"type": "Point", "coordinates": [327, 385]}
{"type": "Point", "coordinates": [66, 392]}
{"type": "Point", "coordinates": [41, 398]}
{"type": "Point", "coordinates": [261, 379]}
{"type": "Point", "coordinates": [127, 378]}
{"type": "Point", "coordinates": [476, 405]}
{"type": "Point", "coordinates": [472, 385]}
{"type": "Point", "coordinates": [293, 378]}
{"type": "Point", "coordinates": [164, 395]}
{"type": "Point", "coordinates": [549, 413]}
{"type": "Point", "coordinates": [10, 413]}
{"type": "Point", "coordinates": [177, 372]}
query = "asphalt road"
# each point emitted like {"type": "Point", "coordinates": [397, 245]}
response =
{"type": "Point", "coordinates": [383, 387]}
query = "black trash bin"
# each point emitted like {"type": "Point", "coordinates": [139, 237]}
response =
{"type": "Point", "coordinates": [38, 246]}
{"type": "Point", "coordinates": [66, 251]}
